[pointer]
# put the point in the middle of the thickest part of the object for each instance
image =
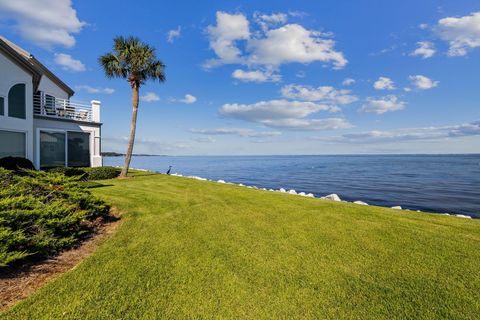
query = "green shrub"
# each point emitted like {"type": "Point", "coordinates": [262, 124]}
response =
{"type": "Point", "coordinates": [16, 163]}
{"type": "Point", "coordinates": [42, 213]}
{"type": "Point", "coordinates": [102, 173]}
{"type": "Point", "coordinates": [69, 171]}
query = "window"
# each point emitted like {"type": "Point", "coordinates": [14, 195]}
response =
{"type": "Point", "coordinates": [78, 149]}
{"type": "Point", "coordinates": [52, 149]}
{"type": "Point", "coordinates": [16, 101]}
{"type": "Point", "coordinates": [58, 149]}
{"type": "Point", "coordinates": [12, 144]}
{"type": "Point", "coordinates": [2, 106]}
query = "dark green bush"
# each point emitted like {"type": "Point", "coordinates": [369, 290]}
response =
{"type": "Point", "coordinates": [42, 213]}
{"type": "Point", "coordinates": [69, 171]}
{"type": "Point", "coordinates": [16, 163]}
{"type": "Point", "coordinates": [102, 173]}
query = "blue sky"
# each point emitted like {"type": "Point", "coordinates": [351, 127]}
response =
{"type": "Point", "coordinates": [272, 77]}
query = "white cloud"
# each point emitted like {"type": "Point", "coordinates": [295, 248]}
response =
{"type": "Point", "coordinates": [269, 47]}
{"type": "Point", "coordinates": [293, 43]}
{"type": "Point", "coordinates": [325, 94]}
{"type": "Point", "coordinates": [284, 114]}
{"type": "Point", "coordinates": [266, 21]}
{"type": "Point", "coordinates": [90, 89]}
{"type": "Point", "coordinates": [425, 49]}
{"type": "Point", "coordinates": [348, 82]}
{"type": "Point", "coordinates": [410, 134]}
{"type": "Point", "coordinates": [150, 97]}
{"type": "Point", "coordinates": [422, 82]}
{"type": "Point", "coordinates": [229, 29]}
{"type": "Point", "coordinates": [423, 26]}
{"type": "Point", "coordinates": [67, 62]}
{"type": "Point", "coordinates": [236, 131]}
{"type": "Point", "coordinates": [384, 83]}
{"type": "Point", "coordinates": [382, 105]}
{"type": "Point", "coordinates": [172, 34]}
{"type": "Point", "coordinates": [46, 23]}
{"type": "Point", "coordinates": [189, 99]}
{"type": "Point", "coordinates": [462, 34]}
{"type": "Point", "coordinates": [256, 76]}
{"type": "Point", "coordinates": [204, 139]}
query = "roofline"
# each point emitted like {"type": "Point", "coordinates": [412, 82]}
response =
{"type": "Point", "coordinates": [53, 77]}
{"type": "Point", "coordinates": [21, 62]}
{"type": "Point", "coordinates": [33, 66]}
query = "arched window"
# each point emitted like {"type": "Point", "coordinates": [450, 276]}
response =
{"type": "Point", "coordinates": [16, 101]}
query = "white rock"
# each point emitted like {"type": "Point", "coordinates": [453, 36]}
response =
{"type": "Point", "coordinates": [445, 214]}
{"type": "Point", "coordinates": [463, 216]}
{"type": "Point", "coordinates": [264, 189]}
{"type": "Point", "coordinates": [221, 181]}
{"type": "Point", "coordinates": [361, 203]}
{"type": "Point", "coordinates": [271, 190]}
{"type": "Point", "coordinates": [292, 192]}
{"type": "Point", "coordinates": [249, 187]}
{"type": "Point", "coordinates": [241, 185]}
{"type": "Point", "coordinates": [397, 207]}
{"type": "Point", "coordinates": [282, 190]}
{"type": "Point", "coordinates": [333, 197]}
{"type": "Point", "coordinates": [310, 195]}
{"type": "Point", "coordinates": [302, 194]}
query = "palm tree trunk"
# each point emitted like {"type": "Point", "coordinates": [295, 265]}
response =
{"type": "Point", "coordinates": [133, 126]}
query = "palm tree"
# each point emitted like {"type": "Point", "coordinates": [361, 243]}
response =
{"type": "Point", "coordinates": [135, 61]}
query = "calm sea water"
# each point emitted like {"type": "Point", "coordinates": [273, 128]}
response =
{"type": "Point", "coordinates": [435, 183]}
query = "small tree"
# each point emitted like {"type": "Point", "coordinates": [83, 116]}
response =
{"type": "Point", "coordinates": [136, 62]}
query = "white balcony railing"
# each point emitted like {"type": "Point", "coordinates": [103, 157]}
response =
{"type": "Point", "coordinates": [49, 106]}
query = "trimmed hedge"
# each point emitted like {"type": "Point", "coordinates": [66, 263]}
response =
{"type": "Point", "coordinates": [97, 173]}
{"type": "Point", "coordinates": [42, 213]}
{"type": "Point", "coordinates": [102, 173]}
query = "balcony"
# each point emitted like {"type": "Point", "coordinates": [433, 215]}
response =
{"type": "Point", "coordinates": [53, 107]}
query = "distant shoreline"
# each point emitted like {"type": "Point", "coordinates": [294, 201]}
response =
{"type": "Point", "coordinates": [116, 154]}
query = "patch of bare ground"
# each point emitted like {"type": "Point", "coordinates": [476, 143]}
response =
{"type": "Point", "coordinates": [18, 284]}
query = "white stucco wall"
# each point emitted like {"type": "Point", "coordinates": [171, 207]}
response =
{"type": "Point", "coordinates": [11, 74]}
{"type": "Point", "coordinates": [59, 125]}
{"type": "Point", "coordinates": [49, 87]}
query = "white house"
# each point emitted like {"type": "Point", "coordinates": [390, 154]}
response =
{"type": "Point", "coordinates": [38, 120]}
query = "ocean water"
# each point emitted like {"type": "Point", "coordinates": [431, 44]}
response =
{"type": "Point", "coordinates": [432, 183]}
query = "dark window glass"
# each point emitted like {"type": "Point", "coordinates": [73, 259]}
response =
{"type": "Point", "coordinates": [50, 104]}
{"type": "Point", "coordinates": [78, 149]}
{"type": "Point", "coordinates": [2, 106]}
{"type": "Point", "coordinates": [16, 101]}
{"type": "Point", "coordinates": [12, 144]}
{"type": "Point", "coordinates": [52, 149]}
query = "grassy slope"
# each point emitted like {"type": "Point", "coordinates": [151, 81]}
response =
{"type": "Point", "coordinates": [192, 249]}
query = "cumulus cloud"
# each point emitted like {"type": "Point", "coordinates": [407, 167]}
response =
{"type": "Point", "coordinates": [67, 62]}
{"type": "Point", "coordinates": [91, 89]}
{"type": "Point", "coordinates": [172, 34]}
{"type": "Point", "coordinates": [46, 23]}
{"type": "Point", "coordinates": [425, 49]}
{"type": "Point", "coordinates": [325, 94]}
{"type": "Point", "coordinates": [223, 37]}
{"type": "Point", "coordinates": [150, 97]}
{"type": "Point", "coordinates": [384, 83]}
{"type": "Point", "coordinates": [382, 105]}
{"type": "Point", "coordinates": [256, 76]}
{"type": "Point", "coordinates": [410, 134]}
{"type": "Point", "coordinates": [268, 47]}
{"type": "Point", "coordinates": [236, 132]}
{"type": "Point", "coordinates": [188, 99]}
{"type": "Point", "coordinates": [293, 43]}
{"type": "Point", "coordinates": [462, 33]}
{"type": "Point", "coordinates": [348, 82]}
{"type": "Point", "coordinates": [422, 82]}
{"type": "Point", "coordinates": [284, 114]}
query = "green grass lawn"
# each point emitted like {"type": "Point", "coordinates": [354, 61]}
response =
{"type": "Point", "coordinates": [191, 249]}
